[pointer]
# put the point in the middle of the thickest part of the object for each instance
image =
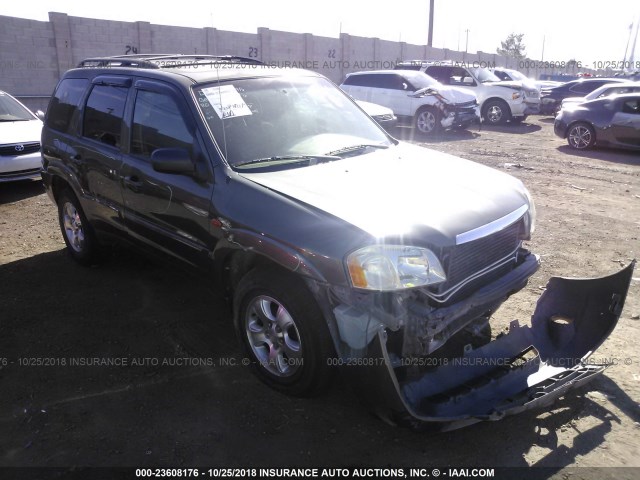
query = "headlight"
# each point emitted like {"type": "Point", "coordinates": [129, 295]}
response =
{"type": "Point", "coordinates": [532, 212]}
{"type": "Point", "coordinates": [393, 267]}
{"type": "Point", "coordinates": [516, 95]}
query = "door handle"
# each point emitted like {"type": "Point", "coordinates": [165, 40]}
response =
{"type": "Point", "coordinates": [133, 183]}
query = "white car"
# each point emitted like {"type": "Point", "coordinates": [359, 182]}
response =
{"type": "Point", "coordinates": [603, 91]}
{"type": "Point", "coordinates": [383, 115]}
{"type": "Point", "coordinates": [19, 141]}
{"type": "Point", "coordinates": [499, 101]}
{"type": "Point", "coordinates": [415, 97]}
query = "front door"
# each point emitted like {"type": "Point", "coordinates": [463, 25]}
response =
{"type": "Point", "coordinates": [169, 211]}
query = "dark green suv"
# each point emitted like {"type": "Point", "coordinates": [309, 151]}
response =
{"type": "Point", "coordinates": [340, 245]}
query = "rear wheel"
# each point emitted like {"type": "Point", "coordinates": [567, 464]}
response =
{"type": "Point", "coordinates": [283, 332]}
{"type": "Point", "coordinates": [581, 136]}
{"type": "Point", "coordinates": [496, 112]}
{"type": "Point", "coordinates": [78, 235]}
{"type": "Point", "coordinates": [427, 121]}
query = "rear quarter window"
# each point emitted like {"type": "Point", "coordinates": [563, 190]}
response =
{"type": "Point", "coordinates": [103, 114]}
{"type": "Point", "coordinates": [65, 102]}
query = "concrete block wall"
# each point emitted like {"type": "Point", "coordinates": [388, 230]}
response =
{"type": "Point", "coordinates": [176, 40]}
{"type": "Point", "coordinates": [34, 54]}
{"type": "Point", "coordinates": [28, 64]}
{"type": "Point", "coordinates": [235, 43]}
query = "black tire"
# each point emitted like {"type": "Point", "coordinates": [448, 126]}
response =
{"type": "Point", "coordinates": [496, 112]}
{"type": "Point", "coordinates": [581, 136]}
{"type": "Point", "coordinates": [283, 332]}
{"type": "Point", "coordinates": [76, 230]}
{"type": "Point", "coordinates": [427, 121]}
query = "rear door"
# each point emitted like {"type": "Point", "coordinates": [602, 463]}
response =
{"type": "Point", "coordinates": [168, 211]}
{"type": "Point", "coordinates": [97, 154]}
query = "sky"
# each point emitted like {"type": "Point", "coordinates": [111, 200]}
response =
{"type": "Point", "coordinates": [553, 29]}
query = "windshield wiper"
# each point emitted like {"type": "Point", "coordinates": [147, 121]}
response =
{"type": "Point", "coordinates": [355, 148]}
{"type": "Point", "coordinates": [311, 159]}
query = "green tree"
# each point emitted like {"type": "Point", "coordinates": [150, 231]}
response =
{"type": "Point", "coordinates": [512, 46]}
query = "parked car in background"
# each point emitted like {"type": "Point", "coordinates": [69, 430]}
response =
{"type": "Point", "coordinates": [605, 90]}
{"type": "Point", "coordinates": [608, 121]}
{"type": "Point", "coordinates": [499, 101]}
{"type": "Point", "coordinates": [383, 115]}
{"type": "Point", "coordinates": [415, 98]}
{"type": "Point", "coordinates": [20, 133]}
{"type": "Point", "coordinates": [551, 98]}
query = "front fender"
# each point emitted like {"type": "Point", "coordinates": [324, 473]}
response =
{"type": "Point", "coordinates": [261, 245]}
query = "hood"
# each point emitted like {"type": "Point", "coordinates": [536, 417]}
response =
{"type": "Point", "coordinates": [402, 190]}
{"type": "Point", "coordinates": [513, 84]}
{"type": "Point", "coordinates": [456, 95]}
{"type": "Point", "coordinates": [25, 131]}
{"type": "Point", "coordinates": [453, 95]}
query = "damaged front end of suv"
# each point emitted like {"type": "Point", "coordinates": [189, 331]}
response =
{"type": "Point", "coordinates": [346, 247]}
{"type": "Point", "coordinates": [457, 109]}
{"type": "Point", "coordinates": [410, 325]}
{"type": "Point", "coordinates": [399, 356]}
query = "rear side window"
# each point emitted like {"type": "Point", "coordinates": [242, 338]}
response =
{"type": "Point", "coordinates": [631, 106]}
{"type": "Point", "coordinates": [376, 80]}
{"type": "Point", "coordinates": [358, 80]}
{"type": "Point", "coordinates": [158, 123]}
{"type": "Point", "coordinates": [64, 103]}
{"type": "Point", "coordinates": [103, 114]}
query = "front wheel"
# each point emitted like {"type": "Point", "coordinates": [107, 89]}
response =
{"type": "Point", "coordinates": [496, 112]}
{"type": "Point", "coordinates": [427, 121]}
{"type": "Point", "coordinates": [283, 332]}
{"type": "Point", "coordinates": [581, 136]}
{"type": "Point", "coordinates": [78, 235]}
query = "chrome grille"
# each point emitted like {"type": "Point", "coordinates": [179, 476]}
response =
{"type": "Point", "coordinates": [487, 257]}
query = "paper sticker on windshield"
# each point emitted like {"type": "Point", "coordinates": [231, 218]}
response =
{"type": "Point", "coordinates": [226, 101]}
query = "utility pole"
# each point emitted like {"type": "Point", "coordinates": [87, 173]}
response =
{"type": "Point", "coordinates": [627, 47]}
{"type": "Point", "coordinates": [466, 47]}
{"type": "Point", "coordinates": [543, 39]}
{"type": "Point", "coordinates": [430, 38]}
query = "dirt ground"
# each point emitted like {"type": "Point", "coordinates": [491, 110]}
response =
{"type": "Point", "coordinates": [166, 410]}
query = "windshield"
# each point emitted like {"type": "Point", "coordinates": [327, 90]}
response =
{"type": "Point", "coordinates": [516, 75]}
{"type": "Point", "coordinates": [483, 75]}
{"type": "Point", "coordinates": [12, 111]}
{"type": "Point", "coordinates": [279, 119]}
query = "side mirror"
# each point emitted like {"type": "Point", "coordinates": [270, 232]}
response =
{"type": "Point", "coordinates": [40, 115]}
{"type": "Point", "coordinates": [172, 160]}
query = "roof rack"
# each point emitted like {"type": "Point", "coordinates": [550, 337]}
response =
{"type": "Point", "coordinates": [164, 60]}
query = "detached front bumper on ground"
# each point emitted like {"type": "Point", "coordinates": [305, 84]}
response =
{"type": "Point", "coordinates": [525, 368]}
